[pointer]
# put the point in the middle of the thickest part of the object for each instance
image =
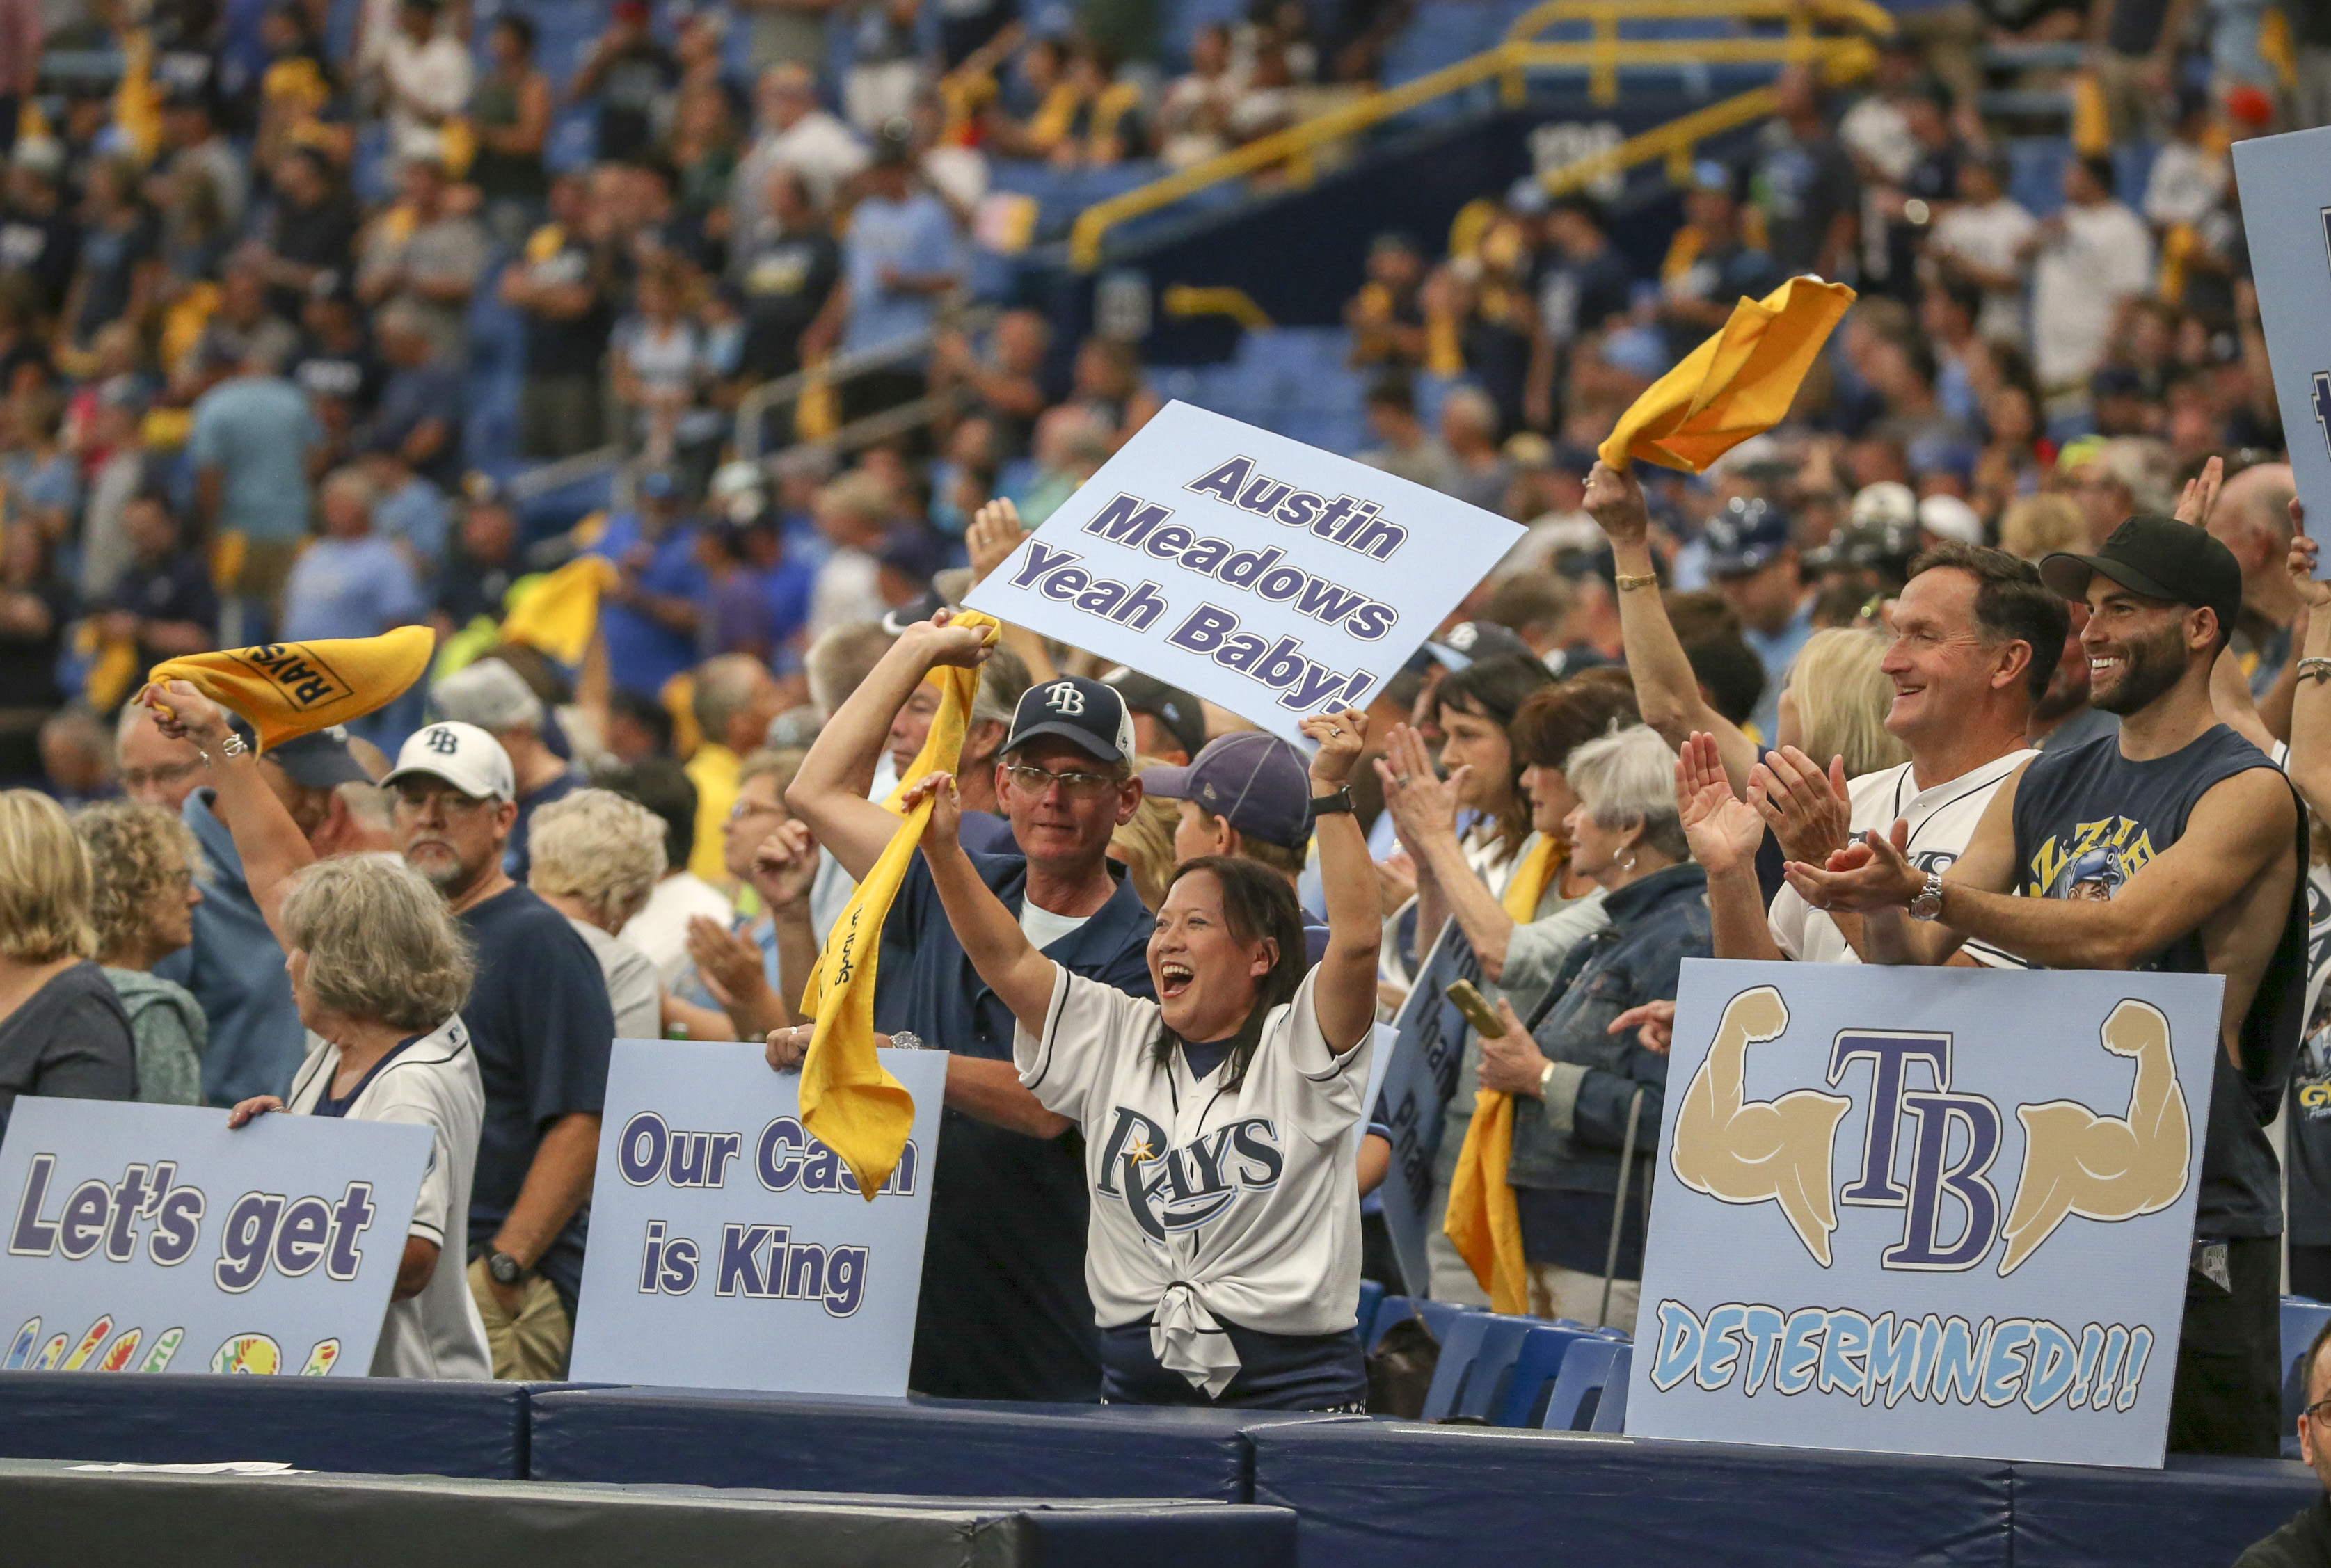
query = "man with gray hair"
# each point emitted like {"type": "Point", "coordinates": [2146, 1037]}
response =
{"type": "Point", "coordinates": [492, 696]}
{"type": "Point", "coordinates": [2252, 520]}
{"type": "Point", "coordinates": [735, 699]}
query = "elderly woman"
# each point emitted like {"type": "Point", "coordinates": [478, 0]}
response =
{"type": "Point", "coordinates": [1593, 1086]}
{"type": "Point", "coordinates": [142, 864]}
{"type": "Point", "coordinates": [379, 971]}
{"type": "Point", "coordinates": [62, 1029]}
{"type": "Point", "coordinates": [595, 858]}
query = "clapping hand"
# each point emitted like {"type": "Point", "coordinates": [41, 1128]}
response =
{"type": "Point", "coordinates": [1807, 809]}
{"type": "Point", "coordinates": [1722, 830]}
{"type": "Point", "coordinates": [994, 533]}
{"type": "Point", "coordinates": [1872, 872]}
{"type": "Point", "coordinates": [728, 962]}
{"type": "Point", "coordinates": [784, 866]}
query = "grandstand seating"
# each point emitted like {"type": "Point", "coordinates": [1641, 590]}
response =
{"type": "Point", "coordinates": [1476, 1362]}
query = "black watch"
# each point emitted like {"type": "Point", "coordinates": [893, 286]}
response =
{"type": "Point", "coordinates": [1341, 801]}
{"type": "Point", "coordinates": [506, 1271]}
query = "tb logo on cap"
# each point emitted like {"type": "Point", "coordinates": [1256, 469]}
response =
{"type": "Point", "coordinates": [1063, 698]}
{"type": "Point", "coordinates": [443, 741]}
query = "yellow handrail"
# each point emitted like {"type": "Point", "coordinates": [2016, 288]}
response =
{"type": "Point", "coordinates": [1841, 58]}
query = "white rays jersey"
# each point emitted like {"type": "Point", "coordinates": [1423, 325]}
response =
{"type": "Point", "coordinates": [1241, 1203]}
{"type": "Point", "coordinates": [1942, 820]}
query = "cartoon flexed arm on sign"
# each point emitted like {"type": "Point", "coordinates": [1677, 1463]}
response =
{"type": "Point", "coordinates": [1742, 1151]}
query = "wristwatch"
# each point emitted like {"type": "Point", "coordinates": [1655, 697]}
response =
{"type": "Point", "coordinates": [505, 1269]}
{"type": "Point", "coordinates": [1341, 801]}
{"type": "Point", "coordinates": [1929, 901]}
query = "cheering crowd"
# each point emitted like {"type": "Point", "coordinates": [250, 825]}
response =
{"type": "Point", "coordinates": [1999, 650]}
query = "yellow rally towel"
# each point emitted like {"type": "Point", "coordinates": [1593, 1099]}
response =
{"type": "Point", "coordinates": [559, 611]}
{"type": "Point", "coordinates": [1483, 1221]}
{"type": "Point", "coordinates": [1737, 384]}
{"type": "Point", "coordinates": [849, 1099]}
{"type": "Point", "coordinates": [289, 689]}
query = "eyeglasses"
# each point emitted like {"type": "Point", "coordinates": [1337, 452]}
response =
{"type": "Point", "coordinates": [750, 808]}
{"type": "Point", "coordinates": [420, 797]}
{"type": "Point", "coordinates": [161, 776]}
{"type": "Point", "coordinates": [2320, 1410]}
{"type": "Point", "coordinates": [1081, 786]}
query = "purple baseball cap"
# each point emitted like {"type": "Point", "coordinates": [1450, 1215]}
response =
{"type": "Point", "coordinates": [1257, 781]}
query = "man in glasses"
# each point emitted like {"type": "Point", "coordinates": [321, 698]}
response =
{"type": "Point", "coordinates": [2305, 1540]}
{"type": "Point", "coordinates": [1004, 1314]}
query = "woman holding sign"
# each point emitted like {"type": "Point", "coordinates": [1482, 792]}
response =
{"type": "Point", "coordinates": [380, 972]}
{"type": "Point", "coordinates": [1223, 1252]}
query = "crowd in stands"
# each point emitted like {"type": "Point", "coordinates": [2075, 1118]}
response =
{"type": "Point", "coordinates": [1663, 727]}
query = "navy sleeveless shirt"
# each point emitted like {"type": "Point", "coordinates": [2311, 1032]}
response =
{"type": "Point", "coordinates": [2087, 820]}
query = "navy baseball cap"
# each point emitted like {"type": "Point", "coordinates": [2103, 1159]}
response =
{"type": "Point", "coordinates": [1258, 782]}
{"type": "Point", "coordinates": [1176, 709]}
{"type": "Point", "coordinates": [1468, 641]}
{"type": "Point", "coordinates": [1076, 709]}
{"type": "Point", "coordinates": [319, 760]}
{"type": "Point", "coordinates": [1746, 535]}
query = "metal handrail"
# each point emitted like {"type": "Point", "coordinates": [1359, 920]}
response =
{"type": "Point", "coordinates": [757, 403]}
{"type": "Point", "coordinates": [565, 470]}
{"type": "Point", "coordinates": [1602, 57]}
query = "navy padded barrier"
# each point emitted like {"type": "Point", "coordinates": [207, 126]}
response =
{"type": "Point", "coordinates": [2198, 1512]}
{"type": "Point", "coordinates": [919, 1448]}
{"type": "Point", "coordinates": [1400, 1495]}
{"type": "Point", "coordinates": [372, 1425]}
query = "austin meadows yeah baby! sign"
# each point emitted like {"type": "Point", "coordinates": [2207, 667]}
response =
{"type": "Point", "coordinates": [1267, 577]}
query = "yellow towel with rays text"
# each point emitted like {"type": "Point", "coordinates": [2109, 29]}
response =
{"type": "Point", "coordinates": [558, 611]}
{"type": "Point", "coordinates": [1484, 1222]}
{"type": "Point", "coordinates": [286, 689]}
{"type": "Point", "coordinates": [849, 1099]}
{"type": "Point", "coordinates": [1737, 384]}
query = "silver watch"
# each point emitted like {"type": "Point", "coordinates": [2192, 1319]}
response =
{"type": "Point", "coordinates": [1929, 901]}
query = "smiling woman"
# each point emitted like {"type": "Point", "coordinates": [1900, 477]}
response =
{"type": "Point", "coordinates": [1224, 1249]}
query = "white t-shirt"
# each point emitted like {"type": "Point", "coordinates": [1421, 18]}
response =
{"type": "Point", "coordinates": [1207, 1201]}
{"type": "Point", "coordinates": [634, 989]}
{"type": "Point", "coordinates": [1990, 236]}
{"type": "Point", "coordinates": [1942, 820]}
{"type": "Point", "coordinates": [1044, 927]}
{"type": "Point", "coordinates": [659, 929]}
{"type": "Point", "coordinates": [431, 1083]}
{"type": "Point", "coordinates": [2104, 256]}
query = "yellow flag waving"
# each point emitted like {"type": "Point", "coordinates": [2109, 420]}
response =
{"type": "Point", "coordinates": [559, 611]}
{"type": "Point", "coordinates": [1737, 384]}
{"type": "Point", "coordinates": [289, 689]}
{"type": "Point", "coordinates": [849, 1101]}
{"type": "Point", "coordinates": [1484, 1222]}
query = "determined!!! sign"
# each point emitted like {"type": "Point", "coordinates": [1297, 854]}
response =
{"type": "Point", "coordinates": [1265, 575]}
{"type": "Point", "coordinates": [1925, 1211]}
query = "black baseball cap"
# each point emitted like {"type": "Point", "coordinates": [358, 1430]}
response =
{"type": "Point", "coordinates": [1077, 709]}
{"type": "Point", "coordinates": [1258, 782]}
{"type": "Point", "coordinates": [1468, 641]}
{"type": "Point", "coordinates": [319, 760]}
{"type": "Point", "coordinates": [2161, 558]}
{"type": "Point", "coordinates": [1170, 705]}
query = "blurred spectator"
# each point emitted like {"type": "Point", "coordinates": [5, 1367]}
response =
{"type": "Point", "coordinates": [897, 260]}
{"type": "Point", "coordinates": [62, 1029]}
{"type": "Point", "coordinates": [482, 561]}
{"type": "Point", "coordinates": [2133, 48]}
{"type": "Point", "coordinates": [1981, 238]}
{"type": "Point", "coordinates": [1753, 563]}
{"type": "Point", "coordinates": [1194, 116]}
{"type": "Point", "coordinates": [335, 365]}
{"type": "Point", "coordinates": [1709, 265]}
{"type": "Point", "coordinates": [1405, 446]}
{"type": "Point", "coordinates": [1005, 383]}
{"type": "Point", "coordinates": [491, 695]}
{"type": "Point", "coordinates": [597, 858]}
{"type": "Point", "coordinates": [1478, 470]}
{"type": "Point", "coordinates": [885, 66]}
{"type": "Point", "coordinates": [649, 617]}
{"type": "Point", "coordinates": [419, 416]}
{"type": "Point", "coordinates": [785, 266]}
{"type": "Point", "coordinates": [142, 865]}
{"type": "Point", "coordinates": [1386, 317]}
{"type": "Point", "coordinates": [798, 134]}
{"type": "Point", "coordinates": [407, 509]}
{"type": "Point", "coordinates": [351, 582]}
{"type": "Point", "coordinates": [854, 513]}
{"type": "Point", "coordinates": [626, 74]}
{"type": "Point", "coordinates": [2092, 258]}
{"type": "Point", "coordinates": [659, 361]}
{"type": "Point", "coordinates": [76, 757]}
{"type": "Point", "coordinates": [427, 256]}
{"type": "Point", "coordinates": [510, 115]}
{"type": "Point", "coordinates": [120, 271]}
{"type": "Point", "coordinates": [1804, 184]}
{"type": "Point", "coordinates": [734, 700]}
{"type": "Point", "coordinates": [1108, 388]}
{"type": "Point", "coordinates": [154, 770]}
{"type": "Point", "coordinates": [163, 604]}
{"type": "Point", "coordinates": [426, 79]}
{"type": "Point", "coordinates": [38, 236]}
{"type": "Point", "coordinates": [252, 439]}
{"type": "Point", "coordinates": [556, 286]}
{"type": "Point", "coordinates": [661, 927]}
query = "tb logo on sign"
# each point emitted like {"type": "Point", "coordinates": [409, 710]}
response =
{"type": "Point", "coordinates": [2076, 1162]}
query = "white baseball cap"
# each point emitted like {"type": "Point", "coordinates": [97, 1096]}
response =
{"type": "Point", "coordinates": [462, 754]}
{"type": "Point", "coordinates": [1949, 517]}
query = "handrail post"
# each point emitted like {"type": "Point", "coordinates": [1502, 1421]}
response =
{"type": "Point", "coordinates": [1602, 83]}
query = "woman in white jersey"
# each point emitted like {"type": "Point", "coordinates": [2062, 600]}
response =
{"type": "Point", "coordinates": [1223, 1255]}
{"type": "Point", "coordinates": [380, 972]}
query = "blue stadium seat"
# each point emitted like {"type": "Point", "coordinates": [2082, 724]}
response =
{"type": "Point", "coordinates": [1535, 1371]}
{"type": "Point", "coordinates": [1476, 1362]}
{"type": "Point", "coordinates": [1391, 1309]}
{"type": "Point", "coordinates": [1611, 1410]}
{"type": "Point", "coordinates": [1372, 1296]}
{"type": "Point", "coordinates": [1439, 1317]}
{"type": "Point", "coordinates": [2302, 1319]}
{"type": "Point", "coordinates": [1585, 1371]}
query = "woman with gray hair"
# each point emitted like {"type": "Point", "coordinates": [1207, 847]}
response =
{"type": "Point", "coordinates": [1599, 1095]}
{"type": "Point", "coordinates": [594, 858]}
{"type": "Point", "coordinates": [142, 865]}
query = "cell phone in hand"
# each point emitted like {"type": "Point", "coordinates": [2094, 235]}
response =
{"type": "Point", "coordinates": [1476, 1008]}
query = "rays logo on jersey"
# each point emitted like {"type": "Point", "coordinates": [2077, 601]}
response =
{"type": "Point", "coordinates": [1181, 1189]}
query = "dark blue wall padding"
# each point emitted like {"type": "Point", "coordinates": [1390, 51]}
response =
{"type": "Point", "coordinates": [935, 1448]}
{"type": "Point", "coordinates": [1398, 1495]}
{"type": "Point", "coordinates": [378, 1426]}
{"type": "Point", "coordinates": [2199, 1512]}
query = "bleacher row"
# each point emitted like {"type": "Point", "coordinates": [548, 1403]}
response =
{"type": "Point", "coordinates": [1367, 1493]}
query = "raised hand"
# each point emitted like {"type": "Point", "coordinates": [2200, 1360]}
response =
{"type": "Point", "coordinates": [183, 713]}
{"type": "Point", "coordinates": [1340, 736]}
{"type": "Point", "coordinates": [2200, 497]}
{"type": "Point", "coordinates": [947, 810]}
{"type": "Point", "coordinates": [1616, 501]}
{"type": "Point", "coordinates": [2300, 562]}
{"type": "Point", "coordinates": [1722, 830]}
{"type": "Point", "coordinates": [994, 533]}
{"type": "Point", "coordinates": [1873, 872]}
{"type": "Point", "coordinates": [1421, 803]}
{"type": "Point", "coordinates": [785, 865]}
{"type": "Point", "coordinates": [948, 643]}
{"type": "Point", "coordinates": [1808, 811]}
